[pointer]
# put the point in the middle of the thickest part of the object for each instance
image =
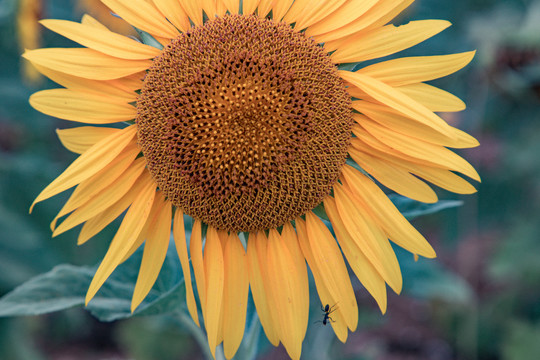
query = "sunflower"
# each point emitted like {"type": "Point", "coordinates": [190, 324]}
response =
{"type": "Point", "coordinates": [249, 118]}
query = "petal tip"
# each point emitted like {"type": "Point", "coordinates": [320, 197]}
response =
{"type": "Point", "coordinates": [88, 298]}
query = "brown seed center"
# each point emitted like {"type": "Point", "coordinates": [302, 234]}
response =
{"type": "Point", "coordinates": [245, 123]}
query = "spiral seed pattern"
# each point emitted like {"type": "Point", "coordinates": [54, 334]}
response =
{"type": "Point", "coordinates": [244, 122]}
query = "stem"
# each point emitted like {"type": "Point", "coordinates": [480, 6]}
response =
{"type": "Point", "coordinates": [247, 351]}
{"type": "Point", "coordinates": [197, 333]}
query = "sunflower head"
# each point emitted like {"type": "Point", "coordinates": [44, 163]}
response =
{"type": "Point", "coordinates": [243, 117]}
{"type": "Point", "coordinates": [255, 126]}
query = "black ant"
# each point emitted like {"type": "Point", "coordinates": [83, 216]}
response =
{"type": "Point", "coordinates": [327, 311]}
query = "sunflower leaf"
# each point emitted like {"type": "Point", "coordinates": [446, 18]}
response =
{"type": "Point", "coordinates": [116, 308]}
{"type": "Point", "coordinates": [61, 288]}
{"type": "Point", "coordinates": [429, 280]}
{"type": "Point", "coordinates": [65, 287]}
{"type": "Point", "coordinates": [412, 209]}
{"type": "Point", "coordinates": [113, 301]}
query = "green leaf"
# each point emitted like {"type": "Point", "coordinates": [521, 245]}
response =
{"type": "Point", "coordinates": [65, 286]}
{"type": "Point", "coordinates": [428, 279]}
{"type": "Point", "coordinates": [412, 209]}
{"type": "Point", "coordinates": [61, 288]}
{"type": "Point", "coordinates": [113, 301]}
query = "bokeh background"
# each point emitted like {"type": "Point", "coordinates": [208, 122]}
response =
{"type": "Point", "coordinates": [480, 300]}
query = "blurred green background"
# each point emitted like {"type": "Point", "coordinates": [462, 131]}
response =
{"type": "Point", "coordinates": [480, 300]}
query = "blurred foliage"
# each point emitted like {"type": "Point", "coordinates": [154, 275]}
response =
{"type": "Point", "coordinates": [479, 300]}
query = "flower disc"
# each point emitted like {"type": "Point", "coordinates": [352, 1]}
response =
{"type": "Point", "coordinates": [244, 122]}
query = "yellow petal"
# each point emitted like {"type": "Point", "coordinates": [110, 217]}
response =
{"type": "Point", "coordinates": [433, 98]}
{"type": "Point", "coordinates": [232, 5]}
{"type": "Point", "coordinates": [374, 200]}
{"type": "Point", "coordinates": [291, 241]}
{"type": "Point", "coordinates": [422, 150]}
{"type": "Point", "coordinates": [314, 12]}
{"type": "Point", "coordinates": [397, 100]}
{"type": "Point", "coordinates": [196, 252]}
{"type": "Point", "coordinates": [415, 69]}
{"type": "Point", "coordinates": [359, 263]}
{"type": "Point", "coordinates": [125, 236]}
{"type": "Point", "coordinates": [80, 139]}
{"type": "Point", "coordinates": [332, 268]}
{"type": "Point", "coordinates": [258, 277]}
{"type": "Point", "coordinates": [298, 10]}
{"type": "Point", "coordinates": [280, 9]}
{"type": "Point", "coordinates": [365, 141]}
{"type": "Point", "coordinates": [286, 289]}
{"type": "Point", "coordinates": [90, 21]}
{"type": "Point", "coordinates": [265, 6]}
{"type": "Point", "coordinates": [87, 189]}
{"type": "Point", "coordinates": [443, 178]}
{"type": "Point", "coordinates": [326, 296]}
{"type": "Point", "coordinates": [345, 14]}
{"type": "Point", "coordinates": [440, 177]}
{"type": "Point", "coordinates": [214, 272]}
{"type": "Point", "coordinates": [392, 119]}
{"type": "Point", "coordinates": [235, 295]}
{"type": "Point", "coordinates": [394, 177]}
{"type": "Point", "coordinates": [173, 11]}
{"type": "Point", "coordinates": [85, 63]}
{"type": "Point", "coordinates": [221, 9]}
{"type": "Point", "coordinates": [378, 11]}
{"type": "Point", "coordinates": [399, 6]}
{"type": "Point", "coordinates": [89, 163]}
{"type": "Point", "coordinates": [194, 10]}
{"type": "Point", "coordinates": [155, 250]}
{"type": "Point", "coordinates": [76, 106]}
{"type": "Point", "coordinates": [210, 7]}
{"type": "Point", "coordinates": [104, 199]}
{"type": "Point", "coordinates": [129, 83]}
{"type": "Point", "coordinates": [143, 235]}
{"type": "Point", "coordinates": [181, 248]}
{"type": "Point", "coordinates": [387, 40]}
{"type": "Point", "coordinates": [119, 88]}
{"type": "Point", "coordinates": [99, 222]}
{"type": "Point", "coordinates": [104, 41]}
{"type": "Point", "coordinates": [142, 15]}
{"type": "Point", "coordinates": [249, 6]}
{"type": "Point", "coordinates": [369, 238]}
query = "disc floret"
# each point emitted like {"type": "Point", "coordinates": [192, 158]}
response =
{"type": "Point", "coordinates": [244, 122]}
